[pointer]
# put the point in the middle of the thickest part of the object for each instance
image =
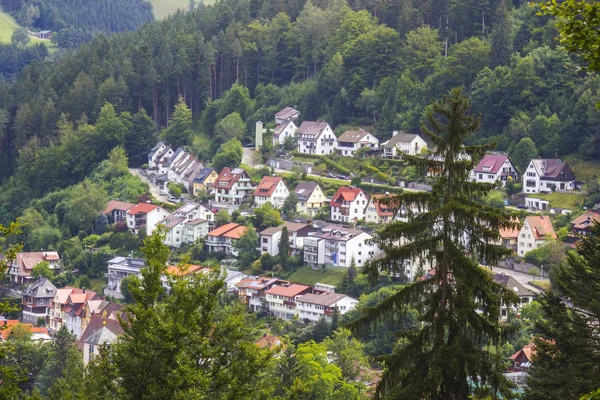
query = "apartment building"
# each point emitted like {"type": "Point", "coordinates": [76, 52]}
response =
{"type": "Point", "coordinates": [338, 246]}
{"type": "Point", "coordinates": [233, 186]}
{"type": "Point", "coordinates": [313, 306]}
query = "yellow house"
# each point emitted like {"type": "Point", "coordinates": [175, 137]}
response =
{"type": "Point", "coordinates": [205, 178]}
{"type": "Point", "coordinates": [310, 198]}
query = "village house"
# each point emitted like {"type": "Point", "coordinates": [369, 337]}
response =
{"type": "Point", "coordinates": [377, 212]}
{"type": "Point", "coordinates": [338, 246]}
{"type": "Point", "coordinates": [174, 230]}
{"type": "Point", "coordinates": [534, 203]}
{"type": "Point", "coordinates": [21, 269]}
{"type": "Point", "coordinates": [494, 168]}
{"type": "Point", "coordinates": [348, 204]}
{"type": "Point", "coordinates": [100, 307]}
{"type": "Point", "coordinates": [192, 211]}
{"type": "Point", "coordinates": [116, 211]}
{"type": "Point", "coordinates": [223, 238]}
{"type": "Point", "coordinates": [145, 216]}
{"type": "Point", "coordinates": [310, 198]}
{"type": "Point", "coordinates": [252, 291]}
{"type": "Point", "coordinates": [204, 180]}
{"type": "Point", "coordinates": [57, 307]}
{"type": "Point", "coordinates": [270, 238]}
{"type": "Point", "coordinates": [403, 143]}
{"type": "Point", "coordinates": [74, 309]}
{"type": "Point", "coordinates": [287, 114]}
{"type": "Point", "coordinates": [183, 168]}
{"type": "Point", "coordinates": [316, 138]}
{"type": "Point", "coordinates": [509, 237]}
{"type": "Point", "coordinates": [119, 268]}
{"type": "Point", "coordinates": [283, 131]}
{"type": "Point", "coordinates": [232, 186]}
{"type": "Point", "coordinates": [548, 175]}
{"type": "Point", "coordinates": [187, 271]}
{"type": "Point", "coordinates": [160, 153]}
{"type": "Point", "coordinates": [101, 331]}
{"type": "Point", "coordinates": [522, 360]}
{"type": "Point", "coordinates": [37, 300]}
{"type": "Point", "coordinates": [271, 189]}
{"type": "Point", "coordinates": [582, 224]}
{"type": "Point", "coordinates": [350, 141]}
{"type": "Point", "coordinates": [38, 334]}
{"type": "Point", "coordinates": [187, 224]}
{"type": "Point", "coordinates": [281, 300]}
{"type": "Point", "coordinates": [525, 295]}
{"type": "Point", "coordinates": [313, 307]}
{"type": "Point", "coordinates": [534, 232]}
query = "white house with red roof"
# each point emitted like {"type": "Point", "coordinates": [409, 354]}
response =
{"type": "Point", "coordinates": [271, 189]}
{"type": "Point", "coordinates": [145, 216]}
{"type": "Point", "coordinates": [252, 290]}
{"type": "Point", "coordinates": [377, 212]}
{"type": "Point", "coordinates": [348, 204]}
{"type": "Point", "coordinates": [116, 210]}
{"type": "Point", "coordinates": [316, 137]}
{"type": "Point", "coordinates": [224, 237]}
{"type": "Point", "coordinates": [314, 306]}
{"type": "Point", "coordinates": [493, 168]}
{"type": "Point", "coordinates": [536, 230]}
{"type": "Point", "coordinates": [232, 186]}
{"type": "Point", "coordinates": [282, 299]}
{"type": "Point", "coordinates": [283, 131]}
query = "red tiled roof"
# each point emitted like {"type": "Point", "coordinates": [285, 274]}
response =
{"type": "Point", "coordinates": [510, 233]}
{"type": "Point", "coordinates": [26, 261]}
{"type": "Point", "coordinates": [236, 233]}
{"type": "Point", "coordinates": [267, 186]}
{"type": "Point", "coordinates": [491, 163]}
{"type": "Point", "coordinates": [345, 193]}
{"type": "Point", "coordinates": [223, 229]}
{"type": "Point", "coordinates": [269, 341]}
{"type": "Point", "coordinates": [288, 291]}
{"type": "Point", "coordinates": [141, 208]}
{"type": "Point", "coordinates": [227, 177]}
{"type": "Point", "coordinates": [541, 227]}
{"type": "Point", "coordinates": [116, 205]}
{"type": "Point", "coordinates": [585, 220]}
{"type": "Point", "coordinates": [383, 210]}
{"type": "Point", "coordinates": [187, 269]}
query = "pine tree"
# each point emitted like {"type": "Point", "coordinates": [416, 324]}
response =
{"type": "Point", "coordinates": [284, 249]}
{"type": "Point", "coordinates": [445, 357]}
{"type": "Point", "coordinates": [502, 36]}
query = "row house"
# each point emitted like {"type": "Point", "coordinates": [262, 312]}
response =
{"type": "Point", "coordinates": [119, 268]}
{"type": "Point", "coordinates": [338, 246]}
{"type": "Point", "coordinates": [74, 311]}
{"type": "Point", "coordinates": [403, 143]}
{"type": "Point", "coordinates": [271, 189]}
{"type": "Point", "coordinates": [144, 217]}
{"type": "Point", "coordinates": [204, 180]}
{"type": "Point", "coordinates": [348, 204]}
{"type": "Point", "coordinates": [183, 168]}
{"type": "Point", "coordinates": [159, 155]}
{"type": "Point", "coordinates": [281, 300]}
{"type": "Point", "coordinates": [270, 238]}
{"type": "Point", "coordinates": [21, 268]}
{"type": "Point", "coordinates": [283, 131]}
{"type": "Point", "coordinates": [287, 114]}
{"type": "Point", "coordinates": [252, 291]}
{"type": "Point", "coordinates": [494, 168]}
{"type": "Point", "coordinates": [187, 224]}
{"type": "Point", "coordinates": [233, 186]}
{"type": "Point", "coordinates": [116, 211]}
{"type": "Point", "coordinates": [100, 307]}
{"type": "Point", "coordinates": [37, 300]}
{"type": "Point", "coordinates": [316, 306]}
{"type": "Point", "coordinates": [377, 212]}
{"type": "Point", "coordinates": [548, 175]}
{"type": "Point", "coordinates": [536, 230]}
{"type": "Point", "coordinates": [316, 138]}
{"type": "Point", "coordinates": [310, 198]}
{"type": "Point", "coordinates": [223, 238]}
{"type": "Point", "coordinates": [351, 141]}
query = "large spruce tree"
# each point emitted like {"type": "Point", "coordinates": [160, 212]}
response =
{"type": "Point", "coordinates": [448, 356]}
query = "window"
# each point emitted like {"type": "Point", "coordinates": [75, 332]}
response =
{"type": "Point", "coordinates": [265, 240]}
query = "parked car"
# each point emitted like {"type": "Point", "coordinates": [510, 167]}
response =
{"type": "Point", "coordinates": [522, 206]}
{"type": "Point", "coordinates": [330, 175]}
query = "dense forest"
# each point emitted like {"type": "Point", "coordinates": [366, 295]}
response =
{"type": "Point", "coordinates": [359, 63]}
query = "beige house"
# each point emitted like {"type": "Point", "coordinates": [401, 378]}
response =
{"type": "Point", "coordinates": [377, 212]}
{"type": "Point", "coordinates": [310, 198]}
{"type": "Point", "coordinates": [534, 232]}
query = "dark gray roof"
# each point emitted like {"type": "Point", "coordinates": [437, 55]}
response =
{"type": "Point", "coordinates": [304, 190]}
{"type": "Point", "coordinates": [511, 283]}
{"type": "Point", "coordinates": [42, 287]}
{"type": "Point", "coordinates": [554, 169]}
{"type": "Point", "coordinates": [203, 174]}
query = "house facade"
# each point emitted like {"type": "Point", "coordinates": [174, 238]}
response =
{"type": "Point", "coordinates": [338, 246]}
{"type": "Point", "coordinates": [145, 216]}
{"type": "Point", "coordinates": [160, 153]}
{"type": "Point", "coordinates": [223, 238]}
{"type": "Point", "coordinates": [525, 295]}
{"type": "Point", "coordinates": [403, 143]}
{"type": "Point", "coordinates": [37, 301]}
{"type": "Point", "coordinates": [74, 310]}
{"type": "Point", "coordinates": [348, 204]}
{"type": "Point", "coordinates": [281, 300]}
{"type": "Point", "coordinates": [310, 198]}
{"type": "Point", "coordinates": [316, 138]}
{"type": "Point", "coordinates": [116, 211]}
{"type": "Point", "coordinates": [204, 180]}
{"type": "Point", "coordinates": [119, 268]}
{"type": "Point", "coordinates": [21, 269]}
{"type": "Point", "coordinates": [287, 114]}
{"type": "Point", "coordinates": [283, 131]}
{"type": "Point", "coordinates": [101, 331]}
{"type": "Point", "coordinates": [271, 189]}
{"type": "Point", "coordinates": [534, 232]}
{"type": "Point", "coordinates": [252, 291]}
{"type": "Point", "coordinates": [270, 238]}
{"type": "Point", "coordinates": [233, 186]}
{"type": "Point", "coordinates": [509, 237]}
{"type": "Point", "coordinates": [582, 224]}
{"type": "Point", "coordinates": [350, 141]}
{"type": "Point", "coordinates": [548, 175]}
{"type": "Point", "coordinates": [313, 306]}
{"type": "Point", "coordinates": [494, 168]}
{"type": "Point", "coordinates": [377, 212]}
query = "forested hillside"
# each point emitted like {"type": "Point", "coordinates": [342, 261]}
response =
{"type": "Point", "coordinates": [356, 63]}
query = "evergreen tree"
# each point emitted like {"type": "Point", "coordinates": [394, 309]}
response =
{"type": "Point", "coordinates": [180, 125]}
{"type": "Point", "coordinates": [284, 249]}
{"type": "Point", "coordinates": [445, 358]}
{"type": "Point", "coordinates": [290, 205]}
{"type": "Point", "coordinates": [523, 152]}
{"type": "Point", "coordinates": [502, 36]}
{"type": "Point", "coordinates": [566, 366]}
{"type": "Point", "coordinates": [140, 139]}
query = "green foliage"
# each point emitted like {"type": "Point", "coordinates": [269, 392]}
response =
{"type": "Point", "coordinates": [246, 247]}
{"type": "Point", "coordinates": [175, 189]}
{"type": "Point", "coordinates": [20, 37]}
{"type": "Point", "coordinates": [267, 216]}
{"type": "Point", "coordinates": [222, 217]}
{"type": "Point", "coordinates": [290, 205]}
{"type": "Point", "coordinates": [42, 269]}
{"type": "Point", "coordinates": [551, 254]}
{"type": "Point", "coordinates": [229, 155]}
{"type": "Point", "coordinates": [284, 249]}
{"type": "Point", "coordinates": [523, 152]}
{"type": "Point", "coordinates": [180, 125]}
{"type": "Point", "coordinates": [126, 284]}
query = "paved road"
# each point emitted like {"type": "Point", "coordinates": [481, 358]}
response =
{"type": "Point", "coordinates": [154, 190]}
{"type": "Point", "coordinates": [521, 277]}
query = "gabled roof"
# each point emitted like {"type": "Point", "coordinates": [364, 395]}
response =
{"type": "Point", "coordinates": [185, 270]}
{"type": "Point", "coordinates": [527, 351]}
{"type": "Point", "coordinates": [197, 221]}
{"type": "Point", "coordinates": [102, 336]}
{"type": "Point", "coordinates": [287, 113]}
{"type": "Point", "coordinates": [585, 220]}
{"type": "Point", "coordinates": [40, 288]}
{"type": "Point", "coordinates": [553, 169]}
{"type": "Point", "coordinates": [491, 163]}
{"type": "Point", "coordinates": [155, 149]}
{"type": "Point", "coordinates": [510, 233]}
{"type": "Point", "coordinates": [62, 295]}
{"type": "Point", "coordinates": [325, 299]}
{"type": "Point", "coordinates": [97, 322]}
{"type": "Point", "coordinates": [353, 136]}
{"type": "Point", "coordinates": [312, 128]}
{"type": "Point", "coordinates": [259, 283]}
{"type": "Point", "coordinates": [228, 177]}
{"type": "Point", "coordinates": [541, 227]}
{"type": "Point", "coordinates": [288, 291]}
{"type": "Point", "coordinates": [305, 189]}
{"type": "Point", "coordinates": [383, 210]}
{"type": "Point", "coordinates": [230, 230]}
{"type": "Point", "coordinates": [345, 193]}
{"type": "Point", "coordinates": [141, 208]}
{"type": "Point", "coordinates": [281, 127]}
{"type": "Point", "coordinates": [512, 284]}
{"type": "Point", "coordinates": [267, 186]}
{"type": "Point", "coordinates": [171, 222]}
{"type": "Point", "coordinates": [203, 174]}
{"type": "Point", "coordinates": [26, 261]}
{"type": "Point", "coordinates": [116, 205]}
{"type": "Point", "coordinates": [400, 137]}
{"type": "Point", "coordinates": [269, 342]}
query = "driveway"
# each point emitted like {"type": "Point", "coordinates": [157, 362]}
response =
{"type": "Point", "coordinates": [521, 277]}
{"type": "Point", "coordinates": [154, 190]}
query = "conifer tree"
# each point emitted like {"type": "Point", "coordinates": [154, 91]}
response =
{"type": "Point", "coordinates": [284, 249]}
{"type": "Point", "coordinates": [445, 358]}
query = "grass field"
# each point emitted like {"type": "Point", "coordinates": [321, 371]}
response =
{"type": "Point", "coordinates": [544, 285]}
{"type": "Point", "coordinates": [584, 170]}
{"type": "Point", "coordinates": [308, 276]}
{"type": "Point", "coordinates": [8, 26]}
{"type": "Point", "coordinates": [163, 8]}
{"type": "Point", "coordinates": [566, 200]}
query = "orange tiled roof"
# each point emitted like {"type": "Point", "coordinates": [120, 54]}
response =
{"type": "Point", "coordinates": [541, 227]}
{"type": "Point", "coordinates": [510, 233]}
{"type": "Point", "coordinates": [267, 186]}
{"type": "Point", "coordinates": [141, 208]}
{"type": "Point", "coordinates": [223, 229]}
{"type": "Point", "coordinates": [187, 269]}
{"type": "Point", "coordinates": [288, 291]}
{"type": "Point", "coordinates": [345, 193]}
{"type": "Point", "coordinates": [383, 210]}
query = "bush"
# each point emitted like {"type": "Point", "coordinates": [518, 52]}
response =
{"type": "Point", "coordinates": [84, 282]}
{"type": "Point", "coordinates": [335, 165]}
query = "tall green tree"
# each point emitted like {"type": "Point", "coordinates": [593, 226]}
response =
{"type": "Point", "coordinates": [444, 357]}
{"type": "Point", "coordinates": [141, 138]}
{"type": "Point", "coordinates": [502, 35]}
{"type": "Point", "coordinates": [180, 125]}
{"type": "Point", "coordinates": [523, 152]}
{"type": "Point", "coordinates": [284, 249]}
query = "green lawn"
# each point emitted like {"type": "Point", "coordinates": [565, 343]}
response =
{"type": "Point", "coordinates": [566, 200]}
{"type": "Point", "coordinates": [8, 26]}
{"type": "Point", "coordinates": [308, 276]}
{"type": "Point", "coordinates": [544, 285]}
{"type": "Point", "coordinates": [97, 285]}
{"type": "Point", "coordinates": [584, 170]}
{"type": "Point", "coordinates": [163, 8]}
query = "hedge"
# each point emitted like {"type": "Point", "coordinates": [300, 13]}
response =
{"type": "Point", "coordinates": [337, 166]}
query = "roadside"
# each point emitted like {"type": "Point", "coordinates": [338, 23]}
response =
{"type": "Point", "coordinates": [521, 277]}
{"type": "Point", "coordinates": [154, 190]}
